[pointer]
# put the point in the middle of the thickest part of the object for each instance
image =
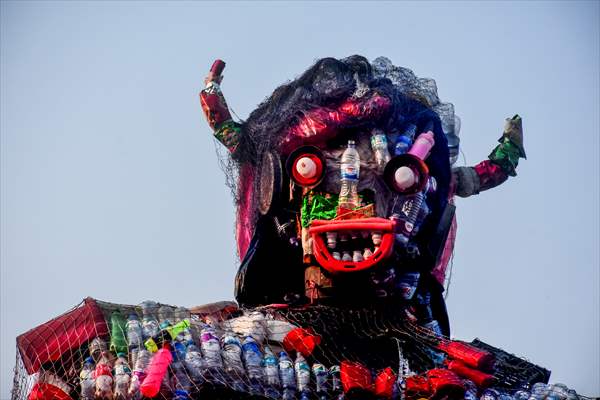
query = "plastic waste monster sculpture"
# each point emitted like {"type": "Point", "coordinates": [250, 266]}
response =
{"type": "Point", "coordinates": [345, 226]}
{"type": "Point", "coordinates": [345, 193]}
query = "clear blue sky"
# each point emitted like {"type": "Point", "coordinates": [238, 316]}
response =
{"type": "Point", "coordinates": [110, 186]}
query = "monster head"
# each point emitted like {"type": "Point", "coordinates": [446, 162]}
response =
{"type": "Point", "coordinates": [288, 158]}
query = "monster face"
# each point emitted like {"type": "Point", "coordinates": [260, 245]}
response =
{"type": "Point", "coordinates": [344, 171]}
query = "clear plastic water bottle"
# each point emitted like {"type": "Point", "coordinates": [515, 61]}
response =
{"type": "Point", "coordinates": [142, 361]}
{"type": "Point", "coordinates": [86, 379]}
{"type": "Point", "coordinates": [350, 173]}
{"type": "Point", "coordinates": [287, 376]}
{"type": "Point", "coordinates": [104, 379]}
{"type": "Point", "coordinates": [271, 373]}
{"type": "Point", "coordinates": [336, 383]}
{"type": "Point", "coordinates": [122, 379]}
{"type": "Point", "coordinates": [209, 343]}
{"type": "Point", "coordinates": [302, 374]}
{"type": "Point", "coordinates": [231, 352]}
{"type": "Point", "coordinates": [150, 326]}
{"type": "Point", "coordinates": [180, 379]}
{"type": "Point", "coordinates": [253, 362]}
{"type": "Point", "coordinates": [320, 373]}
{"type": "Point", "coordinates": [134, 331]}
{"type": "Point", "coordinates": [194, 363]}
{"type": "Point", "coordinates": [379, 144]}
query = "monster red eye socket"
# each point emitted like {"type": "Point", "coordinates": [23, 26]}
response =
{"type": "Point", "coordinates": [306, 166]}
{"type": "Point", "coordinates": [406, 174]}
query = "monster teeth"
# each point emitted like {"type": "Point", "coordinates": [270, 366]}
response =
{"type": "Point", "coordinates": [367, 254]}
{"type": "Point", "coordinates": [346, 256]}
{"type": "Point", "coordinates": [331, 239]}
{"type": "Point", "coordinates": [343, 237]}
{"type": "Point", "coordinates": [336, 255]}
{"type": "Point", "coordinates": [354, 235]}
{"type": "Point", "coordinates": [376, 238]}
{"type": "Point", "coordinates": [357, 256]}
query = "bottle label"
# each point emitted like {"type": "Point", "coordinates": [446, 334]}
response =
{"type": "Point", "coordinates": [349, 172]}
{"type": "Point", "coordinates": [378, 141]}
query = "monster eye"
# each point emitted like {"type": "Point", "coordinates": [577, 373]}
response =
{"type": "Point", "coordinates": [406, 174]}
{"type": "Point", "coordinates": [306, 166]}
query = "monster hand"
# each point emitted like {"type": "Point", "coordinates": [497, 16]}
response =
{"type": "Point", "coordinates": [501, 164]}
{"type": "Point", "coordinates": [226, 130]}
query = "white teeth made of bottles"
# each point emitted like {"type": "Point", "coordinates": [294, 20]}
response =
{"type": "Point", "coordinates": [346, 256]}
{"type": "Point", "coordinates": [357, 256]}
{"type": "Point", "coordinates": [336, 255]}
{"type": "Point", "coordinates": [376, 238]}
{"type": "Point", "coordinates": [367, 254]}
{"type": "Point", "coordinates": [331, 239]}
{"type": "Point", "coordinates": [343, 237]}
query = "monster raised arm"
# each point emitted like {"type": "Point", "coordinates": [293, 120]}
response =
{"type": "Point", "coordinates": [215, 108]}
{"type": "Point", "coordinates": [501, 163]}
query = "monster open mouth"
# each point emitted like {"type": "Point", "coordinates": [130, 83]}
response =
{"type": "Point", "coordinates": [351, 245]}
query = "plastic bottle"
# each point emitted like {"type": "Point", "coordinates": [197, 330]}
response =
{"type": "Point", "coordinates": [253, 362]}
{"type": "Point", "coordinates": [379, 144]}
{"type": "Point", "coordinates": [194, 363]}
{"type": "Point", "coordinates": [302, 374]}
{"type": "Point", "coordinates": [320, 373]}
{"type": "Point", "coordinates": [134, 331]}
{"type": "Point", "coordinates": [156, 371]}
{"type": "Point", "coordinates": [405, 212]}
{"type": "Point", "coordinates": [231, 353]}
{"type": "Point", "coordinates": [142, 362]}
{"type": "Point", "coordinates": [166, 314]}
{"type": "Point", "coordinates": [122, 374]}
{"type": "Point", "coordinates": [150, 326]}
{"type": "Point", "coordinates": [209, 342]}
{"type": "Point", "coordinates": [271, 373]}
{"type": "Point", "coordinates": [86, 379]}
{"type": "Point", "coordinates": [405, 141]}
{"type": "Point", "coordinates": [336, 383]}
{"type": "Point", "coordinates": [104, 380]}
{"type": "Point", "coordinates": [96, 347]}
{"type": "Point", "coordinates": [350, 173]}
{"type": "Point", "coordinates": [287, 376]}
{"type": "Point", "coordinates": [180, 379]}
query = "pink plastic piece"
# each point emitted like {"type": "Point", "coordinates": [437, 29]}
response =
{"type": "Point", "coordinates": [422, 145]}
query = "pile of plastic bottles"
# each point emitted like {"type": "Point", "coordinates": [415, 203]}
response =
{"type": "Point", "coordinates": [174, 359]}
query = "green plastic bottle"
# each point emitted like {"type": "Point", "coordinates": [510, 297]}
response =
{"type": "Point", "coordinates": [118, 343]}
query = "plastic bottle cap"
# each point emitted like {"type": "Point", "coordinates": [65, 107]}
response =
{"type": "Point", "coordinates": [306, 167]}
{"type": "Point", "coordinates": [404, 178]}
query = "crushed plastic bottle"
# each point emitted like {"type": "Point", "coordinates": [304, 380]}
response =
{"type": "Point", "coordinates": [271, 374]}
{"type": "Point", "coordinates": [134, 331]}
{"type": "Point", "coordinates": [209, 343]}
{"type": "Point", "coordinates": [302, 375]}
{"type": "Point", "coordinates": [350, 173]}
{"type": "Point", "coordinates": [139, 373]}
{"type": "Point", "coordinates": [194, 363]}
{"type": "Point", "coordinates": [122, 374]}
{"type": "Point", "coordinates": [320, 373]}
{"type": "Point", "coordinates": [150, 326]}
{"type": "Point", "coordinates": [104, 379]}
{"type": "Point", "coordinates": [287, 376]}
{"type": "Point", "coordinates": [86, 380]}
{"type": "Point", "coordinates": [96, 347]}
{"type": "Point", "coordinates": [336, 383]}
{"type": "Point", "coordinates": [253, 362]}
{"type": "Point", "coordinates": [180, 379]}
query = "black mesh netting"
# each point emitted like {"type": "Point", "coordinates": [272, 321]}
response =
{"type": "Point", "coordinates": [114, 351]}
